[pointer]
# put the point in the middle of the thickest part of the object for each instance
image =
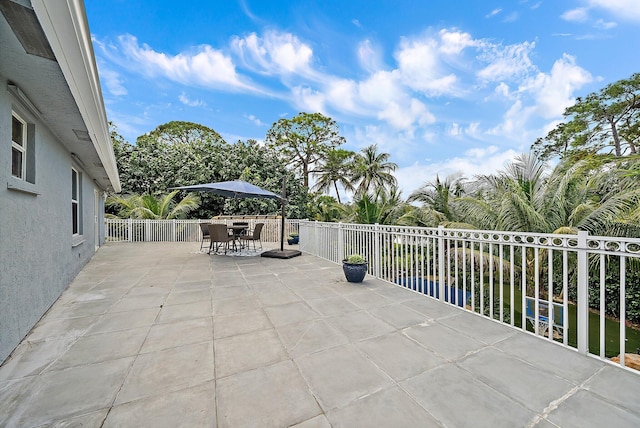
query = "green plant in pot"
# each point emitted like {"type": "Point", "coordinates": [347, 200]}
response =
{"type": "Point", "coordinates": [293, 238]}
{"type": "Point", "coordinates": [354, 268]}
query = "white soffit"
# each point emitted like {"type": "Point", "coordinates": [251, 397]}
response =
{"type": "Point", "coordinates": [64, 22]}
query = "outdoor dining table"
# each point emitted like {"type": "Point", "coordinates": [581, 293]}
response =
{"type": "Point", "coordinates": [237, 230]}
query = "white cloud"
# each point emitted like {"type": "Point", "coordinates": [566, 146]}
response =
{"type": "Point", "coordinates": [457, 130]}
{"type": "Point", "coordinates": [113, 82]}
{"type": "Point", "coordinates": [420, 69]}
{"type": "Point", "coordinates": [404, 116]}
{"type": "Point", "coordinates": [605, 25]}
{"type": "Point", "coordinates": [493, 13]}
{"type": "Point", "coordinates": [254, 119]}
{"type": "Point", "coordinates": [454, 42]}
{"type": "Point", "coordinates": [512, 17]}
{"type": "Point", "coordinates": [580, 14]}
{"type": "Point", "coordinates": [382, 95]}
{"type": "Point", "coordinates": [503, 90]}
{"type": "Point", "coordinates": [204, 67]}
{"type": "Point", "coordinates": [370, 58]}
{"type": "Point", "coordinates": [513, 122]}
{"type": "Point", "coordinates": [553, 92]}
{"type": "Point", "coordinates": [474, 161]}
{"type": "Point", "coordinates": [623, 9]}
{"type": "Point", "coordinates": [184, 99]}
{"type": "Point", "coordinates": [275, 53]}
{"type": "Point", "coordinates": [505, 63]}
{"type": "Point", "coordinates": [308, 99]}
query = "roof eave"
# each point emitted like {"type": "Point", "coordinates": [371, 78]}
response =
{"type": "Point", "coordinates": [67, 31]}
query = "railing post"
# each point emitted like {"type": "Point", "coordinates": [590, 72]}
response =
{"type": "Point", "coordinates": [129, 229]}
{"type": "Point", "coordinates": [441, 272]}
{"type": "Point", "coordinates": [376, 249]}
{"type": "Point", "coordinates": [583, 294]}
{"type": "Point", "coordinates": [340, 243]}
{"type": "Point", "coordinates": [173, 230]}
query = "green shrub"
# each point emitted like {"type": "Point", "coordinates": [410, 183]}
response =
{"type": "Point", "coordinates": [355, 259]}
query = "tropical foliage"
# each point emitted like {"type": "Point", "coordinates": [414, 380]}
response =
{"type": "Point", "coordinates": [372, 171]}
{"type": "Point", "coordinates": [153, 207]}
{"type": "Point", "coordinates": [182, 153]}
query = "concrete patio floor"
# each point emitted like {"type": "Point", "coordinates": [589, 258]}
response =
{"type": "Point", "coordinates": [153, 334]}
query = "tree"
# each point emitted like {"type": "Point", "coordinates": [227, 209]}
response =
{"type": "Point", "coordinates": [261, 166]}
{"type": "Point", "coordinates": [184, 153]}
{"type": "Point", "coordinates": [334, 170]}
{"type": "Point", "coordinates": [604, 121]}
{"type": "Point", "coordinates": [592, 194]}
{"type": "Point", "coordinates": [385, 206]}
{"type": "Point", "coordinates": [304, 140]}
{"type": "Point", "coordinates": [147, 206]}
{"type": "Point", "coordinates": [325, 208]}
{"type": "Point", "coordinates": [439, 195]}
{"type": "Point", "coordinates": [373, 169]}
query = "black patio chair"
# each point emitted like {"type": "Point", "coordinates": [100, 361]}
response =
{"type": "Point", "coordinates": [254, 236]}
{"type": "Point", "coordinates": [219, 235]}
{"type": "Point", "coordinates": [204, 228]}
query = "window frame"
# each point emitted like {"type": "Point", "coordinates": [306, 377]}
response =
{"type": "Point", "coordinates": [75, 202]}
{"type": "Point", "coordinates": [20, 147]}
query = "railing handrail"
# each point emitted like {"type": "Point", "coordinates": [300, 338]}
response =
{"type": "Point", "coordinates": [186, 230]}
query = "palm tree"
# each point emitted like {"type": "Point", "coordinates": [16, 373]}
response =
{"type": "Point", "coordinates": [373, 170]}
{"type": "Point", "coordinates": [383, 207]}
{"type": "Point", "coordinates": [334, 170]}
{"type": "Point", "coordinates": [439, 195]}
{"type": "Point", "coordinates": [148, 206]}
{"type": "Point", "coordinates": [513, 199]}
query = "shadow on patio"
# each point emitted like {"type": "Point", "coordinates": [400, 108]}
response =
{"type": "Point", "coordinates": [153, 334]}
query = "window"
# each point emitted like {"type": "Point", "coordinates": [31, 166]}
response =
{"type": "Point", "coordinates": [18, 147]}
{"type": "Point", "coordinates": [75, 201]}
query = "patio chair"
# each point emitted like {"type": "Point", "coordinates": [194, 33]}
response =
{"type": "Point", "coordinates": [204, 228]}
{"type": "Point", "coordinates": [218, 234]}
{"type": "Point", "coordinates": [254, 236]}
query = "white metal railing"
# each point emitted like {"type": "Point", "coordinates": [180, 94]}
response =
{"type": "Point", "coordinates": [132, 230]}
{"type": "Point", "coordinates": [505, 276]}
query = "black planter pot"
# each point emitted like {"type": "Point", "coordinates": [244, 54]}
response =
{"type": "Point", "coordinates": [354, 272]}
{"type": "Point", "coordinates": [293, 240]}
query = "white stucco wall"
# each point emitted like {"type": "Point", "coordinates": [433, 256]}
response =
{"type": "Point", "coordinates": [38, 258]}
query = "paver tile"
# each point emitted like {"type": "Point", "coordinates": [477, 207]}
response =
{"type": "Point", "coordinates": [248, 351]}
{"type": "Point", "coordinates": [388, 408]}
{"type": "Point", "coordinates": [271, 396]}
{"type": "Point", "coordinates": [456, 399]}
{"type": "Point", "coordinates": [340, 375]}
{"type": "Point", "coordinates": [168, 370]}
{"type": "Point", "coordinates": [241, 323]}
{"type": "Point", "coordinates": [444, 341]}
{"type": "Point", "coordinates": [190, 407]}
{"type": "Point", "coordinates": [360, 325]}
{"type": "Point", "coordinates": [310, 336]}
{"type": "Point", "coordinates": [399, 356]}
{"type": "Point", "coordinates": [585, 410]}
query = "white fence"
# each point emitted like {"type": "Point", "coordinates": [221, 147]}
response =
{"type": "Point", "coordinates": [513, 278]}
{"type": "Point", "coordinates": [132, 230]}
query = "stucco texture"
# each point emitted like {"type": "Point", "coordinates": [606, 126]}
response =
{"type": "Point", "coordinates": [38, 254]}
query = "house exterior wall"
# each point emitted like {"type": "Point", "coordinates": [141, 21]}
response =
{"type": "Point", "coordinates": [39, 256]}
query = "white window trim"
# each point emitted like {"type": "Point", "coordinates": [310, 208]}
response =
{"type": "Point", "coordinates": [21, 148]}
{"type": "Point", "coordinates": [75, 201]}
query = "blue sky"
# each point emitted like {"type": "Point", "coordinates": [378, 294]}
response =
{"type": "Point", "coordinates": [441, 85]}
